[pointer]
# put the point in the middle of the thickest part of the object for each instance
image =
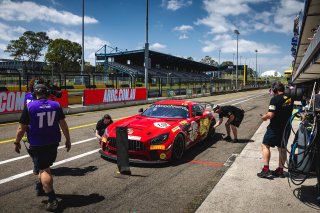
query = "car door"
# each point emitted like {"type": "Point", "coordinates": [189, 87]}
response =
{"type": "Point", "coordinates": [197, 115]}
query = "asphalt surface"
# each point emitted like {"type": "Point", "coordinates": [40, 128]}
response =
{"type": "Point", "coordinates": [85, 182]}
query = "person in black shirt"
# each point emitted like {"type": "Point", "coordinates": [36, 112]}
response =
{"type": "Point", "coordinates": [235, 117]}
{"type": "Point", "coordinates": [280, 110]}
{"type": "Point", "coordinates": [102, 125]}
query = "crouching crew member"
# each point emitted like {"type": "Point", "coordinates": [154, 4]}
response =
{"type": "Point", "coordinates": [102, 124]}
{"type": "Point", "coordinates": [44, 118]}
{"type": "Point", "coordinates": [235, 117]}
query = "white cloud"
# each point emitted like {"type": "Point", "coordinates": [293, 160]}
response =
{"type": "Point", "coordinates": [175, 4]}
{"type": "Point", "coordinates": [30, 11]}
{"type": "Point", "coordinates": [157, 46]}
{"type": "Point", "coordinates": [183, 28]}
{"type": "Point", "coordinates": [8, 33]}
{"type": "Point", "coordinates": [227, 15]}
{"type": "Point", "coordinates": [227, 44]}
{"type": "Point", "coordinates": [3, 46]}
{"type": "Point", "coordinates": [90, 42]}
{"type": "Point", "coordinates": [183, 36]}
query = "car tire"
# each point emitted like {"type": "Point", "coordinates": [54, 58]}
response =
{"type": "Point", "coordinates": [178, 147]}
{"type": "Point", "coordinates": [212, 130]}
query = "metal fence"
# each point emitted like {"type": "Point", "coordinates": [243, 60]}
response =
{"type": "Point", "coordinates": [157, 86]}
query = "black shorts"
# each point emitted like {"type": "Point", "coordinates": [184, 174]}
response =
{"type": "Point", "coordinates": [273, 137]}
{"type": "Point", "coordinates": [43, 156]}
{"type": "Point", "coordinates": [237, 120]}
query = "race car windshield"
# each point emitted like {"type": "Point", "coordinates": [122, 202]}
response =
{"type": "Point", "coordinates": [167, 111]}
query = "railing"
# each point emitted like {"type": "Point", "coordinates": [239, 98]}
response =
{"type": "Point", "coordinates": [157, 87]}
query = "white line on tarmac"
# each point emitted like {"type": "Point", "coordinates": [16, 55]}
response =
{"type": "Point", "coordinates": [248, 99]}
{"type": "Point", "coordinates": [5, 180]}
{"type": "Point", "coordinates": [245, 99]}
{"type": "Point", "coordinates": [60, 147]}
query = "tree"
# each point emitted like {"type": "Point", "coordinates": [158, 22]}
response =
{"type": "Point", "coordinates": [275, 74]}
{"type": "Point", "coordinates": [29, 45]}
{"type": "Point", "coordinates": [190, 58]}
{"type": "Point", "coordinates": [227, 63]}
{"type": "Point", "coordinates": [209, 60]}
{"type": "Point", "coordinates": [64, 55]}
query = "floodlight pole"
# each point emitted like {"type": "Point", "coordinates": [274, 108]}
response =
{"type": "Point", "coordinates": [255, 84]}
{"type": "Point", "coordinates": [237, 33]}
{"type": "Point", "coordinates": [82, 57]}
{"type": "Point", "coordinates": [146, 51]}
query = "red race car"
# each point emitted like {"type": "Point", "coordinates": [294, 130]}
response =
{"type": "Point", "coordinates": [162, 132]}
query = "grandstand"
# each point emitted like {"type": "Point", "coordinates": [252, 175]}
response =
{"type": "Point", "coordinates": [161, 65]}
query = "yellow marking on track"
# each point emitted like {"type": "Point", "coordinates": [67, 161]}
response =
{"type": "Point", "coordinates": [5, 124]}
{"type": "Point", "coordinates": [71, 128]}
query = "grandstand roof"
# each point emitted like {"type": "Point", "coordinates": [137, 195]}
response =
{"type": "Point", "coordinates": [136, 57]}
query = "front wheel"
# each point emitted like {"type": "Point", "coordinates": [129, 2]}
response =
{"type": "Point", "coordinates": [178, 147]}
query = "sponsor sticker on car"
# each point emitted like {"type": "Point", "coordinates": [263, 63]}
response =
{"type": "Point", "coordinates": [157, 147]}
{"type": "Point", "coordinates": [161, 125]}
{"type": "Point", "coordinates": [175, 128]}
{"type": "Point", "coordinates": [135, 138]}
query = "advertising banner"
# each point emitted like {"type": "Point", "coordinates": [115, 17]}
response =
{"type": "Point", "coordinates": [11, 101]}
{"type": "Point", "coordinates": [104, 96]}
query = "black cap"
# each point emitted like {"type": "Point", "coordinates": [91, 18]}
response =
{"type": "Point", "coordinates": [215, 107]}
{"type": "Point", "coordinates": [40, 90]}
{"type": "Point", "coordinates": [107, 116]}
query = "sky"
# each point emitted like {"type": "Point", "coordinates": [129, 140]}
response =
{"type": "Point", "coordinates": [184, 28]}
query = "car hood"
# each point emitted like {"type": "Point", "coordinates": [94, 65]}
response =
{"type": "Point", "coordinates": [144, 128]}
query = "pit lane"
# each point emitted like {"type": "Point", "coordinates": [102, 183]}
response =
{"type": "Point", "coordinates": [86, 182]}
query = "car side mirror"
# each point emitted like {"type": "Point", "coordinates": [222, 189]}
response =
{"type": "Point", "coordinates": [140, 110]}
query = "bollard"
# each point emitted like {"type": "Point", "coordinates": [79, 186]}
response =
{"type": "Point", "coordinates": [122, 150]}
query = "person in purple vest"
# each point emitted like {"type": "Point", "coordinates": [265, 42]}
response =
{"type": "Point", "coordinates": [44, 118]}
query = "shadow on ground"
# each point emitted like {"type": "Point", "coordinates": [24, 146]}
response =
{"type": "Point", "coordinates": [67, 171]}
{"type": "Point", "coordinates": [308, 195]}
{"type": "Point", "coordinates": [70, 201]}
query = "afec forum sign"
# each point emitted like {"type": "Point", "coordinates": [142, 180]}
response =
{"type": "Point", "coordinates": [105, 96]}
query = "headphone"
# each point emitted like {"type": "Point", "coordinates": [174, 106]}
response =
{"type": "Point", "coordinates": [276, 86]}
{"type": "Point", "coordinates": [39, 88]}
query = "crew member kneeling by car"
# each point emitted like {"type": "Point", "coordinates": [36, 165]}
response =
{"type": "Point", "coordinates": [102, 125]}
{"type": "Point", "coordinates": [235, 117]}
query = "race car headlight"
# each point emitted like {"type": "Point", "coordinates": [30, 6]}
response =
{"type": "Point", "coordinates": [159, 139]}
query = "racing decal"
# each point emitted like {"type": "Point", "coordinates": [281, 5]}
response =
{"type": "Point", "coordinates": [183, 122]}
{"type": "Point", "coordinates": [288, 102]}
{"type": "Point", "coordinates": [135, 138]}
{"type": "Point", "coordinates": [171, 106]}
{"type": "Point", "coordinates": [204, 126]}
{"type": "Point", "coordinates": [163, 156]}
{"type": "Point", "coordinates": [175, 129]}
{"type": "Point", "coordinates": [157, 147]}
{"type": "Point", "coordinates": [161, 125]}
{"type": "Point", "coordinates": [193, 131]}
{"type": "Point", "coordinates": [130, 131]}
{"type": "Point", "coordinates": [272, 107]}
